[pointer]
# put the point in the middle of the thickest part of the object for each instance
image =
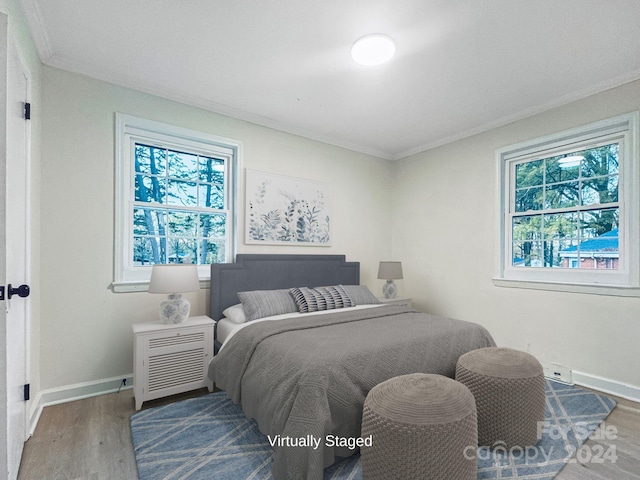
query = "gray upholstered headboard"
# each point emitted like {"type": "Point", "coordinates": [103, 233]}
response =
{"type": "Point", "coordinates": [270, 272]}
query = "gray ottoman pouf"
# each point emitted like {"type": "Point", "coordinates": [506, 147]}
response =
{"type": "Point", "coordinates": [422, 427]}
{"type": "Point", "coordinates": [508, 386]}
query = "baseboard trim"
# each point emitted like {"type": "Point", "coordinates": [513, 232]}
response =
{"type": "Point", "coordinates": [606, 385]}
{"type": "Point", "coordinates": [35, 411]}
{"type": "Point", "coordinates": [76, 391]}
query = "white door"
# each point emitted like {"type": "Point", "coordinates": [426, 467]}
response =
{"type": "Point", "coordinates": [18, 249]}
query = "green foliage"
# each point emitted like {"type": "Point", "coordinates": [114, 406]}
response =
{"type": "Point", "coordinates": [172, 192]}
{"type": "Point", "coordinates": [563, 199]}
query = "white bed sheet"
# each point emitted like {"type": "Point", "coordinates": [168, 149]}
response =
{"type": "Point", "coordinates": [225, 329]}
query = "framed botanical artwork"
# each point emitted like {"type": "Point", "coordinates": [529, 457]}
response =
{"type": "Point", "coordinates": [283, 210]}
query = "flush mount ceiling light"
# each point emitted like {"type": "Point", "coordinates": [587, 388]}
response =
{"type": "Point", "coordinates": [374, 49]}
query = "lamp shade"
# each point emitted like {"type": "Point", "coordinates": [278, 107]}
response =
{"type": "Point", "coordinates": [390, 270]}
{"type": "Point", "coordinates": [174, 278]}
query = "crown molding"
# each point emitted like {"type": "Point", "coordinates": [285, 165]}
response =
{"type": "Point", "coordinates": [98, 73]}
{"type": "Point", "coordinates": [530, 112]}
{"type": "Point", "coordinates": [37, 28]}
{"type": "Point", "coordinates": [48, 57]}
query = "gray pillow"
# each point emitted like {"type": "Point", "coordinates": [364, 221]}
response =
{"type": "Point", "coordinates": [265, 303]}
{"type": "Point", "coordinates": [320, 298]}
{"type": "Point", "coordinates": [360, 294]}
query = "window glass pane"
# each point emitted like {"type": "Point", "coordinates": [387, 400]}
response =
{"type": "Point", "coordinates": [529, 174]}
{"type": "Point", "coordinates": [149, 189]}
{"type": "Point", "coordinates": [527, 254]}
{"type": "Point", "coordinates": [147, 221]}
{"type": "Point", "coordinates": [555, 252]}
{"type": "Point", "coordinates": [182, 224]}
{"type": "Point", "coordinates": [211, 196]}
{"type": "Point", "coordinates": [527, 247]}
{"type": "Point", "coordinates": [561, 195]}
{"type": "Point", "coordinates": [561, 225]}
{"type": "Point", "coordinates": [594, 223]}
{"type": "Point", "coordinates": [148, 250]}
{"type": "Point", "coordinates": [150, 160]}
{"type": "Point", "coordinates": [182, 193]}
{"type": "Point", "coordinates": [601, 160]}
{"type": "Point", "coordinates": [182, 250]}
{"type": "Point", "coordinates": [561, 239]}
{"type": "Point", "coordinates": [600, 190]}
{"type": "Point", "coordinates": [213, 251]}
{"type": "Point", "coordinates": [183, 165]}
{"type": "Point", "coordinates": [211, 170]}
{"type": "Point", "coordinates": [561, 169]}
{"type": "Point", "coordinates": [527, 228]}
{"type": "Point", "coordinates": [213, 226]}
{"type": "Point", "coordinates": [528, 199]}
{"type": "Point", "coordinates": [599, 245]}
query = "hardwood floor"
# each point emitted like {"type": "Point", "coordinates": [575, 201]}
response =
{"type": "Point", "coordinates": [91, 440]}
{"type": "Point", "coordinates": [87, 439]}
{"type": "Point", "coordinates": [623, 443]}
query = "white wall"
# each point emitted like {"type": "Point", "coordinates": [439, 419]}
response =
{"type": "Point", "coordinates": [441, 208]}
{"type": "Point", "coordinates": [86, 328]}
{"type": "Point", "coordinates": [444, 220]}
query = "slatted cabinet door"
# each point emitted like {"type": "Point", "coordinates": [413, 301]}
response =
{"type": "Point", "coordinates": [170, 359]}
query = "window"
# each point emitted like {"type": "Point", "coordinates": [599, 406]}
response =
{"type": "Point", "coordinates": [569, 208]}
{"type": "Point", "coordinates": [175, 198]}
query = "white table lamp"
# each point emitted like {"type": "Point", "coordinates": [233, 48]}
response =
{"type": "Point", "coordinates": [174, 279]}
{"type": "Point", "coordinates": [390, 271]}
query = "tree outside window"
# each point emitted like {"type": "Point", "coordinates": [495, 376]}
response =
{"type": "Point", "coordinates": [559, 205]}
{"type": "Point", "coordinates": [179, 209]}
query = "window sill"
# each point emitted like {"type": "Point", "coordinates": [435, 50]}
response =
{"type": "Point", "coordinates": [143, 286]}
{"type": "Point", "coordinates": [611, 290]}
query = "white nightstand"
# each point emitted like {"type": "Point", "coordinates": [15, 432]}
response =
{"type": "Point", "coordinates": [170, 359]}
{"type": "Point", "coordinates": [397, 301]}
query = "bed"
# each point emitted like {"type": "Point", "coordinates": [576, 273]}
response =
{"type": "Point", "coordinates": [304, 376]}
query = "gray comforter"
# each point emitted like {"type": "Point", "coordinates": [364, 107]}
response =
{"type": "Point", "coordinates": [306, 380]}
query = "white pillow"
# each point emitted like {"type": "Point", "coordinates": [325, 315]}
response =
{"type": "Point", "coordinates": [235, 313]}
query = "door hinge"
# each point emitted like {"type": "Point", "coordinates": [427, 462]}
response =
{"type": "Point", "coordinates": [27, 392]}
{"type": "Point", "coordinates": [2, 292]}
{"type": "Point", "coordinates": [27, 111]}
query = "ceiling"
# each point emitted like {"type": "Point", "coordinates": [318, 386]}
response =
{"type": "Point", "coordinates": [461, 67]}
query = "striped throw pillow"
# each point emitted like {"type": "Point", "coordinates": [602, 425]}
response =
{"type": "Point", "coordinates": [320, 298]}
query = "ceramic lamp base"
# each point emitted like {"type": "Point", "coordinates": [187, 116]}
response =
{"type": "Point", "coordinates": [175, 309]}
{"type": "Point", "coordinates": [389, 289]}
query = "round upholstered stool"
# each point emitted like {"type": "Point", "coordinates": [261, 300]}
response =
{"type": "Point", "coordinates": [421, 427]}
{"type": "Point", "coordinates": [508, 386]}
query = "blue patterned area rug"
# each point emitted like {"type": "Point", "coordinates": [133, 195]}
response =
{"type": "Point", "coordinates": [209, 437]}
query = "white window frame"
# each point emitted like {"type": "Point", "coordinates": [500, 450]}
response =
{"type": "Point", "coordinates": [625, 281]}
{"type": "Point", "coordinates": [130, 130]}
